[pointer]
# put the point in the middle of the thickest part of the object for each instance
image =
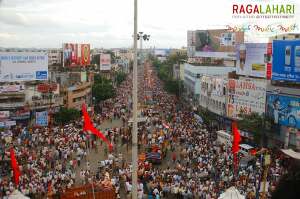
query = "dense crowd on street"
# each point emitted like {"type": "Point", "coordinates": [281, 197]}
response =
{"type": "Point", "coordinates": [49, 156]}
{"type": "Point", "coordinates": [194, 165]}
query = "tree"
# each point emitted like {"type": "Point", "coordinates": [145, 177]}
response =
{"type": "Point", "coordinates": [102, 89]}
{"type": "Point", "coordinates": [253, 123]}
{"type": "Point", "coordinates": [66, 115]}
{"type": "Point", "coordinates": [207, 116]}
{"type": "Point", "coordinates": [165, 71]}
{"type": "Point", "coordinates": [120, 77]}
{"type": "Point", "coordinates": [95, 59]}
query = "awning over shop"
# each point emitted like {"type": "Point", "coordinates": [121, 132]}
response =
{"type": "Point", "coordinates": [291, 153]}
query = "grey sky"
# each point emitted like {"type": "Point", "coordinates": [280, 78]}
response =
{"type": "Point", "coordinates": [106, 23]}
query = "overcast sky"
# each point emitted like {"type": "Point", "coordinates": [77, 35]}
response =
{"type": "Point", "coordinates": [107, 23]}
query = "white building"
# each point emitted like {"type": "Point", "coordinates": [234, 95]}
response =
{"type": "Point", "coordinates": [213, 94]}
{"type": "Point", "coordinates": [54, 57]}
{"type": "Point", "coordinates": [193, 74]}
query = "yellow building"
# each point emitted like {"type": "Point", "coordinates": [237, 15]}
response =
{"type": "Point", "coordinates": [78, 94]}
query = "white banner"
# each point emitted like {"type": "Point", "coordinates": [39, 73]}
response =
{"type": "Point", "coordinates": [245, 97]}
{"type": "Point", "coordinates": [11, 88]}
{"type": "Point", "coordinates": [7, 124]}
{"type": "Point", "coordinates": [105, 62]}
{"type": "Point", "coordinates": [4, 114]}
{"type": "Point", "coordinates": [23, 66]}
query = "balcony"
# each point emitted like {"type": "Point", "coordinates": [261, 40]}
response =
{"type": "Point", "coordinates": [45, 103]}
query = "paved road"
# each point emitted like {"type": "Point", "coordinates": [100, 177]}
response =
{"type": "Point", "coordinates": [95, 156]}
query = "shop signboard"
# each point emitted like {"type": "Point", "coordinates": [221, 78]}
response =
{"type": "Point", "coordinates": [245, 97]}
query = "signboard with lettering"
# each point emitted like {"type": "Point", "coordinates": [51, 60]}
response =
{"type": "Point", "coordinates": [245, 97]}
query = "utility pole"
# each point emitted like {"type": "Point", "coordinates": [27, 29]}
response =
{"type": "Point", "coordinates": [134, 97]}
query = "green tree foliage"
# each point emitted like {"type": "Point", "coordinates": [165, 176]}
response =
{"type": "Point", "coordinates": [207, 116]}
{"type": "Point", "coordinates": [253, 123]}
{"type": "Point", "coordinates": [96, 59]}
{"type": "Point", "coordinates": [120, 77]}
{"type": "Point", "coordinates": [176, 58]}
{"type": "Point", "coordinates": [102, 89]}
{"type": "Point", "coordinates": [66, 115]}
{"type": "Point", "coordinates": [165, 71]}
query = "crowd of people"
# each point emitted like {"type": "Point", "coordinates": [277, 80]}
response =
{"type": "Point", "coordinates": [48, 157]}
{"type": "Point", "coordinates": [194, 164]}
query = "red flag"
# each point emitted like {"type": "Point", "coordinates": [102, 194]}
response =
{"type": "Point", "coordinates": [235, 144]}
{"type": "Point", "coordinates": [15, 166]}
{"type": "Point", "coordinates": [88, 126]}
{"type": "Point", "coordinates": [236, 138]}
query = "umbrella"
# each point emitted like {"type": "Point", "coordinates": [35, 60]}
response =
{"type": "Point", "coordinates": [231, 193]}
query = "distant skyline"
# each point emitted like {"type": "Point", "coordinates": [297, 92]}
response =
{"type": "Point", "coordinates": [108, 23]}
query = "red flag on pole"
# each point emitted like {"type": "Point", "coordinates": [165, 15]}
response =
{"type": "Point", "coordinates": [88, 126]}
{"type": "Point", "coordinates": [15, 166]}
{"type": "Point", "coordinates": [235, 143]}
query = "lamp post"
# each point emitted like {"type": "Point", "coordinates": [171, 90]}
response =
{"type": "Point", "coordinates": [141, 36]}
{"type": "Point", "coordinates": [134, 118]}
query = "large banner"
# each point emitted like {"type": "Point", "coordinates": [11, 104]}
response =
{"type": "Point", "coordinates": [105, 62]}
{"type": "Point", "coordinates": [41, 118]}
{"type": "Point", "coordinates": [245, 97]}
{"type": "Point", "coordinates": [76, 54]}
{"type": "Point", "coordinates": [284, 110]}
{"type": "Point", "coordinates": [11, 88]}
{"type": "Point", "coordinates": [253, 59]}
{"type": "Point", "coordinates": [214, 40]}
{"type": "Point", "coordinates": [4, 114]}
{"type": "Point", "coordinates": [21, 114]}
{"type": "Point", "coordinates": [23, 66]}
{"type": "Point", "coordinates": [70, 54]}
{"type": "Point", "coordinates": [83, 54]}
{"type": "Point", "coordinates": [7, 124]}
{"type": "Point", "coordinates": [286, 60]}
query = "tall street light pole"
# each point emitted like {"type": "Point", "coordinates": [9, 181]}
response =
{"type": "Point", "coordinates": [134, 97]}
{"type": "Point", "coordinates": [141, 36]}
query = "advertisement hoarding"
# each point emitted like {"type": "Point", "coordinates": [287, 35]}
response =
{"type": "Point", "coordinates": [76, 54]}
{"type": "Point", "coordinates": [105, 62]}
{"type": "Point", "coordinates": [4, 114]}
{"type": "Point", "coordinates": [21, 114]}
{"type": "Point", "coordinates": [214, 40]}
{"type": "Point", "coordinates": [7, 124]}
{"type": "Point", "coordinates": [245, 97]}
{"type": "Point", "coordinates": [286, 60]}
{"type": "Point", "coordinates": [84, 58]}
{"type": "Point", "coordinates": [48, 87]}
{"type": "Point", "coordinates": [70, 54]}
{"type": "Point", "coordinates": [285, 110]}
{"type": "Point", "coordinates": [11, 88]}
{"type": "Point", "coordinates": [41, 118]}
{"type": "Point", "coordinates": [23, 66]}
{"type": "Point", "coordinates": [253, 59]}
